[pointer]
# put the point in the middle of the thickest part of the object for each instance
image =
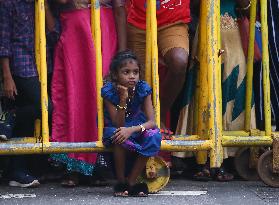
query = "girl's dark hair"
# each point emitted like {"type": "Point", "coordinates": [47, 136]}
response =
{"type": "Point", "coordinates": [119, 60]}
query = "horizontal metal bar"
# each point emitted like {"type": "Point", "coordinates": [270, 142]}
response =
{"type": "Point", "coordinates": [236, 133]}
{"type": "Point", "coordinates": [238, 141]}
{"type": "Point", "coordinates": [179, 145]}
{"type": "Point", "coordinates": [64, 147]}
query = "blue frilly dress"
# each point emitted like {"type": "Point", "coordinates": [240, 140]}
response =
{"type": "Point", "coordinates": [147, 143]}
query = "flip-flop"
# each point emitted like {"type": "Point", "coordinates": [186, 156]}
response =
{"type": "Point", "coordinates": [121, 190]}
{"type": "Point", "coordinates": [139, 190]}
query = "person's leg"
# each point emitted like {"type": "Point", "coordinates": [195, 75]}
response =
{"type": "Point", "coordinates": [137, 42]}
{"type": "Point", "coordinates": [137, 169]}
{"type": "Point", "coordinates": [173, 44]}
{"type": "Point", "coordinates": [119, 159]}
{"type": "Point", "coordinates": [27, 110]}
{"type": "Point", "coordinates": [176, 60]}
{"type": "Point", "coordinates": [121, 188]}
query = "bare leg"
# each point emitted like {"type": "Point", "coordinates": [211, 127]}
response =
{"type": "Point", "coordinates": [176, 60]}
{"type": "Point", "coordinates": [137, 169]}
{"type": "Point", "coordinates": [119, 158]}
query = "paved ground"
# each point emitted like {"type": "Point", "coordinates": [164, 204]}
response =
{"type": "Point", "coordinates": [236, 193]}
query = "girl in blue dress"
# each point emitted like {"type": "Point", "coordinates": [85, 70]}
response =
{"type": "Point", "coordinates": [129, 122]}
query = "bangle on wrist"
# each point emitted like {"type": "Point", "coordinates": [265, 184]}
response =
{"type": "Point", "coordinates": [244, 8]}
{"type": "Point", "coordinates": [142, 128]}
{"type": "Point", "coordinates": [119, 107]}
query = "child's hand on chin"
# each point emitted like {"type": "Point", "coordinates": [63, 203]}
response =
{"type": "Point", "coordinates": [123, 92]}
{"type": "Point", "coordinates": [122, 134]}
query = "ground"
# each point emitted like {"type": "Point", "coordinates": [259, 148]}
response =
{"type": "Point", "coordinates": [177, 192]}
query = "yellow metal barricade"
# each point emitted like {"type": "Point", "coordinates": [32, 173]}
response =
{"type": "Point", "coordinates": [210, 136]}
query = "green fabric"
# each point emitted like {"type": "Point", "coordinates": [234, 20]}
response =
{"type": "Point", "coordinates": [73, 165]}
{"type": "Point", "coordinates": [230, 92]}
{"type": "Point", "coordinates": [228, 6]}
{"type": "Point", "coordinates": [229, 87]}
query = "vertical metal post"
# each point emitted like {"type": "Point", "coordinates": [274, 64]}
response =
{"type": "Point", "coordinates": [209, 48]}
{"type": "Point", "coordinates": [250, 64]}
{"type": "Point", "coordinates": [154, 60]}
{"type": "Point", "coordinates": [148, 51]}
{"type": "Point", "coordinates": [265, 62]}
{"type": "Point", "coordinates": [96, 35]}
{"type": "Point", "coordinates": [203, 85]}
{"type": "Point", "coordinates": [43, 71]}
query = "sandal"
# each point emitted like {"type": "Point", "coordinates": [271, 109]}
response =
{"type": "Point", "coordinates": [72, 180]}
{"type": "Point", "coordinates": [121, 190]}
{"type": "Point", "coordinates": [139, 190]}
{"type": "Point", "coordinates": [221, 175]}
{"type": "Point", "coordinates": [203, 175]}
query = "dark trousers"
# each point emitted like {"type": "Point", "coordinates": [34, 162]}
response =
{"type": "Point", "coordinates": [28, 109]}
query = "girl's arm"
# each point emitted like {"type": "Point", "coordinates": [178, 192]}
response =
{"type": "Point", "coordinates": [120, 21]}
{"type": "Point", "coordinates": [123, 133]}
{"type": "Point", "coordinates": [117, 113]}
{"type": "Point", "coordinates": [117, 116]}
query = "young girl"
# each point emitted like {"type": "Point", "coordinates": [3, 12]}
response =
{"type": "Point", "coordinates": [129, 122]}
{"type": "Point", "coordinates": [74, 77]}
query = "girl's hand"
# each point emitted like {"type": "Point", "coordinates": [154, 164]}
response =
{"type": "Point", "coordinates": [122, 134]}
{"type": "Point", "coordinates": [123, 92]}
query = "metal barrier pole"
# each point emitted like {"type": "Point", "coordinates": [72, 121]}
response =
{"type": "Point", "coordinates": [148, 51]}
{"type": "Point", "coordinates": [43, 70]}
{"type": "Point", "coordinates": [265, 62]}
{"type": "Point", "coordinates": [96, 35]}
{"type": "Point", "coordinates": [202, 128]}
{"type": "Point", "coordinates": [154, 61]}
{"type": "Point", "coordinates": [250, 64]}
{"type": "Point", "coordinates": [209, 48]}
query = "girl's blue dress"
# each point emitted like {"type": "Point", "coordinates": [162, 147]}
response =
{"type": "Point", "coordinates": [147, 143]}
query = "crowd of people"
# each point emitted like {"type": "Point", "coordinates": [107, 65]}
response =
{"type": "Point", "coordinates": [130, 127]}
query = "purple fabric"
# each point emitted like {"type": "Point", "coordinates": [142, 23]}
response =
{"type": "Point", "coordinates": [17, 36]}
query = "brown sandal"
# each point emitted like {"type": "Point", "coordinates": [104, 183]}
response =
{"type": "Point", "coordinates": [203, 175]}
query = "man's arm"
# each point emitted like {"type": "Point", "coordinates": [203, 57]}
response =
{"type": "Point", "coordinates": [121, 23]}
{"type": "Point", "coordinates": [5, 48]}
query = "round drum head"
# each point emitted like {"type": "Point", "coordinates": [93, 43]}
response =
{"type": "Point", "coordinates": [157, 174]}
{"type": "Point", "coordinates": [241, 162]}
{"type": "Point", "coordinates": [265, 170]}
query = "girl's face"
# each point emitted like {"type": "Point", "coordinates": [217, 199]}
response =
{"type": "Point", "coordinates": [128, 74]}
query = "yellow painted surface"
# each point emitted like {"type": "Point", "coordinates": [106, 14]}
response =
{"type": "Point", "coordinates": [265, 63]}
{"type": "Point", "coordinates": [43, 70]}
{"type": "Point", "coordinates": [96, 35]}
{"type": "Point", "coordinates": [250, 64]}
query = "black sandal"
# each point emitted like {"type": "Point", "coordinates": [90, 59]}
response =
{"type": "Point", "coordinates": [221, 175]}
{"type": "Point", "coordinates": [139, 190]}
{"type": "Point", "coordinates": [121, 190]}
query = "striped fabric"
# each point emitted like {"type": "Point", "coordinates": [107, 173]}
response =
{"type": "Point", "coordinates": [273, 19]}
{"type": "Point", "coordinates": [273, 47]}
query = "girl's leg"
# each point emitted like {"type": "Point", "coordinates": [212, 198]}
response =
{"type": "Point", "coordinates": [122, 187]}
{"type": "Point", "coordinates": [137, 169]}
{"type": "Point", "coordinates": [119, 158]}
